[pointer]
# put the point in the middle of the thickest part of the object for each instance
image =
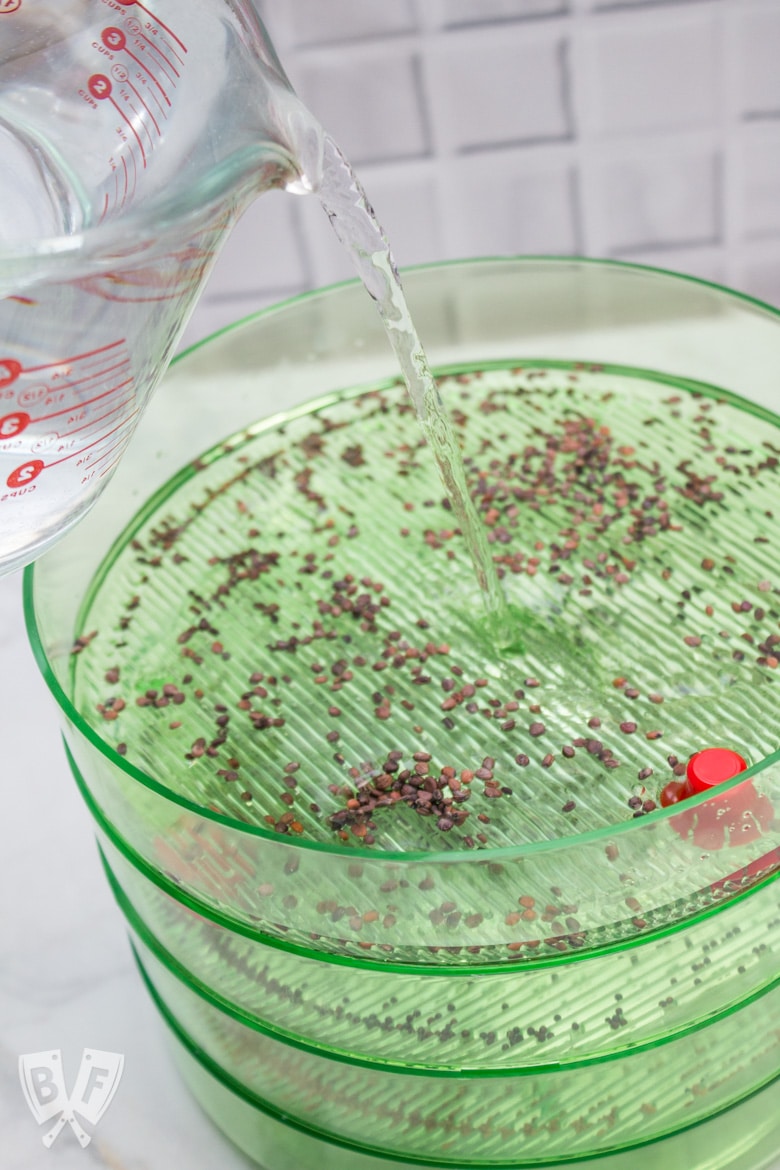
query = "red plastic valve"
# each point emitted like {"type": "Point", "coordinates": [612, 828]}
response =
{"type": "Point", "coordinates": [712, 766]}
{"type": "Point", "coordinates": [732, 818]}
{"type": "Point", "coordinates": [706, 769]}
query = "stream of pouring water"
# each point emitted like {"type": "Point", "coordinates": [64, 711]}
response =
{"type": "Point", "coordinates": [358, 230]}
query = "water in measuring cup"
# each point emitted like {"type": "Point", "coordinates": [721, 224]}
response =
{"type": "Point", "coordinates": [128, 148]}
{"type": "Point", "coordinates": [70, 397]}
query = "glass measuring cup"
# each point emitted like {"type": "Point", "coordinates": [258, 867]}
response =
{"type": "Point", "coordinates": [132, 136]}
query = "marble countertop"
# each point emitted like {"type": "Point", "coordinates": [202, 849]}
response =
{"type": "Point", "coordinates": [67, 978]}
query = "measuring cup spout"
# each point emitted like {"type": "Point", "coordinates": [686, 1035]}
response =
{"type": "Point", "coordinates": [276, 116]}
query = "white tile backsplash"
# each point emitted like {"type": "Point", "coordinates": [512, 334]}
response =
{"type": "Point", "coordinates": [656, 199]}
{"type": "Point", "coordinates": [370, 101]}
{"type": "Point", "coordinates": [510, 205]}
{"type": "Point", "coordinates": [264, 251]}
{"type": "Point", "coordinates": [759, 176]}
{"type": "Point", "coordinates": [648, 129]}
{"type": "Point", "coordinates": [459, 12]}
{"type": "Point", "coordinates": [758, 50]}
{"type": "Point", "coordinates": [651, 74]}
{"type": "Point", "coordinates": [760, 274]}
{"type": "Point", "coordinates": [314, 22]}
{"type": "Point", "coordinates": [618, 5]}
{"type": "Point", "coordinates": [488, 91]}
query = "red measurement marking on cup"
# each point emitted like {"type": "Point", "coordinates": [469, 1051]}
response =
{"type": "Point", "coordinates": [82, 457]}
{"type": "Point", "coordinates": [8, 6]}
{"type": "Point", "coordinates": [120, 74]}
{"type": "Point", "coordinates": [156, 19]}
{"type": "Point", "coordinates": [102, 90]}
{"type": "Point", "coordinates": [91, 394]}
{"type": "Point", "coordinates": [118, 200]}
{"type": "Point", "coordinates": [110, 457]}
{"type": "Point", "coordinates": [25, 473]}
{"type": "Point", "coordinates": [71, 361]}
{"type": "Point", "coordinates": [113, 38]}
{"type": "Point", "coordinates": [126, 178]}
{"type": "Point", "coordinates": [154, 52]}
{"type": "Point", "coordinates": [172, 276]}
{"type": "Point", "coordinates": [13, 424]}
{"type": "Point", "coordinates": [9, 371]}
{"type": "Point", "coordinates": [138, 90]}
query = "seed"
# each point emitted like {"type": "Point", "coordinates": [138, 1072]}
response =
{"type": "Point", "coordinates": [628, 728]}
{"type": "Point", "coordinates": [536, 729]}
